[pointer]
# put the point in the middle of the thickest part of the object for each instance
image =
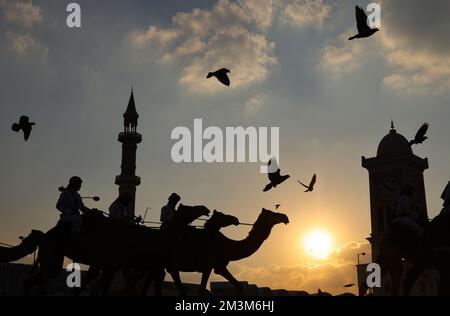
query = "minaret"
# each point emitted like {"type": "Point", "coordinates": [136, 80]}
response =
{"type": "Point", "coordinates": [128, 181]}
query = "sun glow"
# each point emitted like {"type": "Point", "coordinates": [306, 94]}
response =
{"type": "Point", "coordinates": [318, 244]}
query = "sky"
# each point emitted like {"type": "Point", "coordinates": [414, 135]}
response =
{"type": "Point", "coordinates": [291, 66]}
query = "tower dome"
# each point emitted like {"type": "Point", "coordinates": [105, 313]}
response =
{"type": "Point", "coordinates": [394, 144]}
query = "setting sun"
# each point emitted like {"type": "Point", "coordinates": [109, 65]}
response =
{"type": "Point", "coordinates": [318, 244]}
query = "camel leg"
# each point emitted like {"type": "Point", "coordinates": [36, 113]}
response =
{"type": "Point", "coordinates": [176, 278]}
{"type": "Point", "coordinates": [42, 283]}
{"type": "Point", "coordinates": [159, 279]}
{"type": "Point", "coordinates": [147, 282]}
{"type": "Point", "coordinates": [223, 271]}
{"type": "Point", "coordinates": [31, 282]}
{"type": "Point", "coordinates": [106, 279]}
{"type": "Point", "coordinates": [131, 277]}
{"type": "Point", "coordinates": [203, 284]}
{"type": "Point", "coordinates": [93, 273]}
{"type": "Point", "coordinates": [411, 277]}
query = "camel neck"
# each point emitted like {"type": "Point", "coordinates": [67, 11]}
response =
{"type": "Point", "coordinates": [15, 253]}
{"type": "Point", "coordinates": [238, 250]}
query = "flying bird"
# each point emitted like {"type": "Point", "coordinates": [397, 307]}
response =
{"type": "Point", "coordinates": [221, 75]}
{"type": "Point", "coordinates": [277, 206]}
{"type": "Point", "coordinates": [349, 285]}
{"type": "Point", "coordinates": [310, 187]}
{"type": "Point", "coordinates": [420, 136]}
{"type": "Point", "coordinates": [25, 125]}
{"type": "Point", "coordinates": [275, 178]}
{"type": "Point", "coordinates": [364, 29]}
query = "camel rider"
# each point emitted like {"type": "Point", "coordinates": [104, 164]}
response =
{"type": "Point", "coordinates": [446, 197]}
{"type": "Point", "coordinates": [119, 208]}
{"type": "Point", "coordinates": [168, 211]}
{"type": "Point", "coordinates": [405, 213]}
{"type": "Point", "coordinates": [70, 204]}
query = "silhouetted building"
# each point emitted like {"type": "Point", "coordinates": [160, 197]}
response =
{"type": "Point", "coordinates": [128, 181]}
{"type": "Point", "coordinates": [394, 167]}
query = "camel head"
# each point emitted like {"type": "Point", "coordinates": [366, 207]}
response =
{"type": "Point", "coordinates": [187, 214]}
{"type": "Point", "coordinates": [271, 218]}
{"type": "Point", "coordinates": [33, 239]}
{"type": "Point", "coordinates": [219, 220]}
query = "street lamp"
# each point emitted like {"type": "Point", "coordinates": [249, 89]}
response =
{"type": "Point", "coordinates": [361, 254]}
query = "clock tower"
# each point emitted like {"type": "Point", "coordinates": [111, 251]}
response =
{"type": "Point", "coordinates": [394, 167]}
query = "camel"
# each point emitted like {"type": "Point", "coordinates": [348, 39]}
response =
{"type": "Point", "coordinates": [110, 244]}
{"type": "Point", "coordinates": [218, 251]}
{"type": "Point", "coordinates": [28, 245]}
{"type": "Point", "coordinates": [217, 221]}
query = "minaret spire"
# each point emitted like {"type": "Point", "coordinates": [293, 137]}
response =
{"type": "Point", "coordinates": [393, 130]}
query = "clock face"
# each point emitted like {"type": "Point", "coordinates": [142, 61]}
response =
{"type": "Point", "coordinates": [389, 188]}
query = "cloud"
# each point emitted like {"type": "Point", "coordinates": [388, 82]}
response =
{"type": "Point", "coordinates": [16, 37]}
{"type": "Point", "coordinates": [24, 45]}
{"type": "Point", "coordinates": [231, 34]}
{"type": "Point", "coordinates": [255, 103]}
{"type": "Point", "coordinates": [262, 11]}
{"type": "Point", "coordinates": [413, 38]}
{"type": "Point", "coordinates": [342, 56]}
{"type": "Point", "coordinates": [161, 37]}
{"type": "Point", "coordinates": [330, 275]}
{"type": "Point", "coordinates": [22, 13]}
{"type": "Point", "coordinates": [347, 253]}
{"type": "Point", "coordinates": [247, 55]}
{"type": "Point", "coordinates": [301, 13]}
{"type": "Point", "coordinates": [190, 46]}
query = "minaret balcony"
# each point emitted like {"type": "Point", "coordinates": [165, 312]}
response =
{"type": "Point", "coordinates": [128, 180]}
{"type": "Point", "coordinates": [130, 137]}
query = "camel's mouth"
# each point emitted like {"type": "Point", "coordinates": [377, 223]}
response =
{"type": "Point", "coordinates": [285, 219]}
